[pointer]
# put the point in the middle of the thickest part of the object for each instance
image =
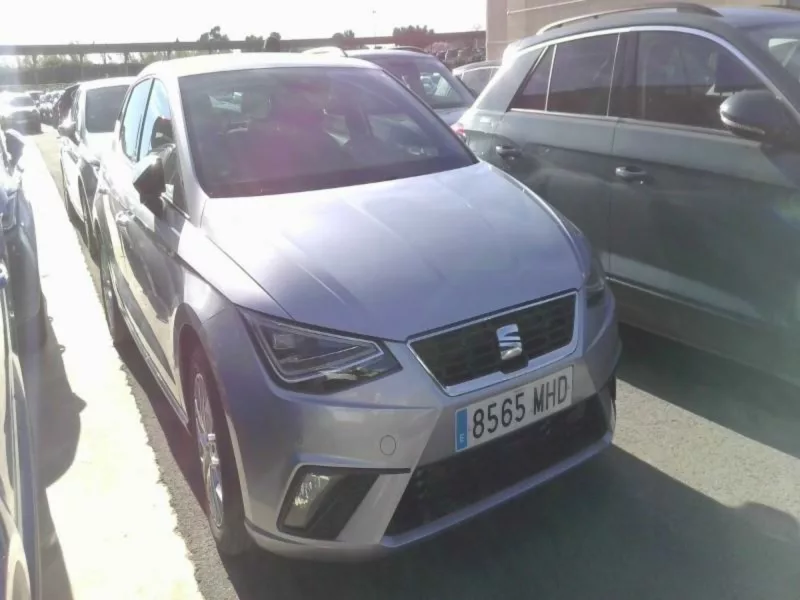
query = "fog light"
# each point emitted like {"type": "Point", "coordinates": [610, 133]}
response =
{"type": "Point", "coordinates": [321, 500]}
{"type": "Point", "coordinates": [309, 495]}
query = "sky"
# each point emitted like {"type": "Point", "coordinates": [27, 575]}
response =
{"type": "Point", "coordinates": [86, 21]}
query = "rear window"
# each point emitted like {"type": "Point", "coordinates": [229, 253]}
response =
{"type": "Point", "coordinates": [430, 80]}
{"type": "Point", "coordinates": [283, 130]}
{"type": "Point", "coordinates": [102, 108]}
{"type": "Point", "coordinates": [21, 101]}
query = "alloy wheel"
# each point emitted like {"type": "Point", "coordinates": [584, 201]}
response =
{"type": "Point", "coordinates": [208, 451]}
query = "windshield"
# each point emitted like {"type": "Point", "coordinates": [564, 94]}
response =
{"type": "Point", "coordinates": [782, 41]}
{"type": "Point", "coordinates": [430, 80]}
{"type": "Point", "coordinates": [271, 131]}
{"type": "Point", "coordinates": [20, 101]}
{"type": "Point", "coordinates": [102, 108]}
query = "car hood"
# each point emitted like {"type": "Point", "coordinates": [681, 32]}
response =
{"type": "Point", "coordinates": [99, 143]}
{"type": "Point", "coordinates": [398, 258]}
{"type": "Point", "coordinates": [451, 115]}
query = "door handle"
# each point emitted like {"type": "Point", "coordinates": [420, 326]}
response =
{"type": "Point", "coordinates": [123, 218]}
{"type": "Point", "coordinates": [3, 275]}
{"type": "Point", "coordinates": [632, 174]}
{"type": "Point", "coordinates": [508, 151]}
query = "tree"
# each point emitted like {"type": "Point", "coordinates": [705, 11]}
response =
{"type": "Point", "coordinates": [213, 36]}
{"type": "Point", "coordinates": [256, 43]}
{"type": "Point", "coordinates": [273, 43]}
{"type": "Point", "coordinates": [344, 40]}
{"type": "Point", "coordinates": [413, 35]}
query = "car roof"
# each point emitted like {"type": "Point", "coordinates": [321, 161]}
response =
{"type": "Point", "coordinates": [213, 63]}
{"type": "Point", "coordinates": [740, 18]}
{"type": "Point", "coordinates": [96, 84]}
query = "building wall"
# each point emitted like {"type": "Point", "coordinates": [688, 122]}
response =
{"type": "Point", "coordinates": [509, 20]}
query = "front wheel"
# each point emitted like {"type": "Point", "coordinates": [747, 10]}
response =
{"type": "Point", "coordinates": [223, 495]}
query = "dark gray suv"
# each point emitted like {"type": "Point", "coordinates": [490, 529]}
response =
{"type": "Point", "coordinates": [671, 137]}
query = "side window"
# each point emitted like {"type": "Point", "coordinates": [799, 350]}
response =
{"type": "Point", "coordinates": [477, 79]}
{"type": "Point", "coordinates": [157, 136]}
{"type": "Point", "coordinates": [533, 95]}
{"type": "Point", "coordinates": [683, 78]}
{"type": "Point", "coordinates": [581, 79]}
{"type": "Point", "coordinates": [157, 130]}
{"type": "Point", "coordinates": [132, 119]}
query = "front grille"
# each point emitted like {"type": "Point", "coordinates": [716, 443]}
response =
{"type": "Point", "coordinates": [473, 351]}
{"type": "Point", "coordinates": [441, 488]}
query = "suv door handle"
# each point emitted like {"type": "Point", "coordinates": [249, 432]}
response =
{"type": "Point", "coordinates": [508, 151]}
{"type": "Point", "coordinates": [123, 218]}
{"type": "Point", "coordinates": [632, 174]}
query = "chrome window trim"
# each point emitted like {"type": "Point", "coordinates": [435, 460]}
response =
{"type": "Point", "coordinates": [497, 377]}
{"type": "Point", "coordinates": [675, 29]}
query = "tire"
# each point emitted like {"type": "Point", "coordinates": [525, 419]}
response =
{"type": "Point", "coordinates": [67, 201]}
{"type": "Point", "coordinates": [225, 511]}
{"type": "Point", "coordinates": [120, 335]}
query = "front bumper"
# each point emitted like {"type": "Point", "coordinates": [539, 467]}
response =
{"type": "Point", "coordinates": [400, 427]}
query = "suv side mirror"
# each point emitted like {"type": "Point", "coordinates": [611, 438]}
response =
{"type": "Point", "coordinates": [149, 181]}
{"type": "Point", "coordinates": [16, 146]}
{"type": "Point", "coordinates": [67, 129]}
{"type": "Point", "coordinates": [757, 115]}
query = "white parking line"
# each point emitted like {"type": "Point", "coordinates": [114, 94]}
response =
{"type": "Point", "coordinates": [112, 515]}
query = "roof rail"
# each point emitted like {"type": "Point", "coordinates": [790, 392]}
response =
{"type": "Point", "coordinates": [687, 7]}
{"type": "Point", "coordinates": [326, 50]}
{"type": "Point", "coordinates": [786, 6]}
{"type": "Point", "coordinates": [410, 49]}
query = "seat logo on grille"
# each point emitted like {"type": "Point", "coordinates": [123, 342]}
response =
{"type": "Point", "coordinates": [509, 341]}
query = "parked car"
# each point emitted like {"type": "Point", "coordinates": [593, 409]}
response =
{"type": "Point", "coordinates": [19, 111]}
{"type": "Point", "coordinates": [423, 73]}
{"type": "Point", "coordinates": [20, 246]}
{"type": "Point", "coordinates": [372, 335]}
{"type": "Point", "coordinates": [671, 138]}
{"type": "Point", "coordinates": [477, 75]}
{"type": "Point", "coordinates": [86, 132]}
{"type": "Point", "coordinates": [20, 568]}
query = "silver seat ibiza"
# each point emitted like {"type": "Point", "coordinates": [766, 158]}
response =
{"type": "Point", "coordinates": [372, 335]}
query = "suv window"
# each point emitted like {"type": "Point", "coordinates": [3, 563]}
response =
{"type": "Point", "coordinates": [477, 79]}
{"type": "Point", "coordinates": [581, 79]}
{"type": "Point", "coordinates": [132, 118]}
{"type": "Point", "coordinates": [683, 78]}
{"type": "Point", "coordinates": [157, 136]}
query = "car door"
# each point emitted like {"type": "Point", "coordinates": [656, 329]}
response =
{"type": "Point", "coordinates": [154, 238]}
{"type": "Point", "coordinates": [705, 243]}
{"type": "Point", "coordinates": [556, 136]}
{"type": "Point", "coordinates": [121, 197]}
{"type": "Point", "coordinates": [70, 156]}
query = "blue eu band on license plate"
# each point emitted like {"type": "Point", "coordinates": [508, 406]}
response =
{"type": "Point", "coordinates": [462, 417]}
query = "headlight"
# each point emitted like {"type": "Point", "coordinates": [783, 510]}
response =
{"type": "Point", "coordinates": [595, 283]}
{"type": "Point", "coordinates": [316, 361]}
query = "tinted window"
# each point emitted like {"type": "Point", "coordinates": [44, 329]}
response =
{"type": "Point", "coordinates": [477, 79]}
{"type": "Point", "coordinates": [134, 111]}
{"type": "Point", "coordinates": [581, 79]}
{"type": "Point", "coordinates": [533, 95]}
{"type": "Point", "coordinates": [429, 79]}
{"type": "Point", "coordinates": [24, 100]}
{"type": "Point", "coordinates": [782, 40]}
{"type": "Point", "coordinates": [102, 108]}
{"type": "Point", "coordinates": [301, 129]}
{"type": "Point", "coordinates": [683, 78]}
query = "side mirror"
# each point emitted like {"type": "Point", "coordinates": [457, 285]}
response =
{"type": "Point", "coordinates": [67, 129]}
{"type": "Point", "coordinates": [149, 181]}
{"type": "Point", "coordinates": [759, 116]}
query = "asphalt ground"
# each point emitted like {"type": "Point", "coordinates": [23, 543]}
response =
{"type": "Point", "coordinates": [698, 498]}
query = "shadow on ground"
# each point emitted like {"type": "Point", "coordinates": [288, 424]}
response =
{"type": "Point", "coordinates": [57, 426]}
{"type": "Point", "coordinates": [746, 401]}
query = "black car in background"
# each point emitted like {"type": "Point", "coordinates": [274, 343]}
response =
{"type": "Point", "coordinates": [671, 137]}
{"type": "Point", "coordinates": [19, 111]}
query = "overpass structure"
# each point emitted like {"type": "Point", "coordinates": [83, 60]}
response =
{"type": "Point", "coordinates": [459, 37]}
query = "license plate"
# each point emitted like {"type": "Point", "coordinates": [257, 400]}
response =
{"type": "Point", "coordinates": [495, 417]}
